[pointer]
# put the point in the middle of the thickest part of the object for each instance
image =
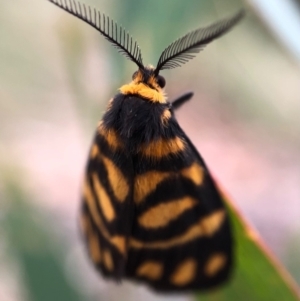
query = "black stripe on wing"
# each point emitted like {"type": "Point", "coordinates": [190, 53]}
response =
{"type": "Point", "coordinates": [181, 238]}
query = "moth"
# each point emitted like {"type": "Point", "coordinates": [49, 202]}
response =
{"type": "Point", "coordinates": [151, 212]}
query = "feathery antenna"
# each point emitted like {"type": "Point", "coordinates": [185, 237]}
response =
{"type": "Point", "coordinates": [106, 26]}
{"type": "Point", "coordinates": [186, 47]}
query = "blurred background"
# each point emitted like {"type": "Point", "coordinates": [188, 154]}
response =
{"type": "Point", "coordinates": [56, 77]}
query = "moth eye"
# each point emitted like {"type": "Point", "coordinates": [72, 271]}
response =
{"type": "Point", "coordinates": [161, 81]}
{"type": "Point", "coordinates": [134, 75]}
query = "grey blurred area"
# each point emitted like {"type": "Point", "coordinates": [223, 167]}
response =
{"type": "Point", "coordinates": [57, 75]}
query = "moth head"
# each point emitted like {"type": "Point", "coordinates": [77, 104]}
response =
{"type": "Point", "coordinates": [148, 77]}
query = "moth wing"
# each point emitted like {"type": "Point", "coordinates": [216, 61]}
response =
{"type": "Point", "coordinates": [107, 210]}
{"type": "Point", "coordinates": [181, 236]}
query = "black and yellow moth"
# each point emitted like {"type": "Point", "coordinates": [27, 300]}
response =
{"type": "Point", "coordinates": [151, 211]}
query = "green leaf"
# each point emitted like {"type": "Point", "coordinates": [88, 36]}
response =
{"type": "Point", "coordinates": [257, 275]}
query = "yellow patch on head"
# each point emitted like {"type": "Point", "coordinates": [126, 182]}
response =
{"type": "Point", "coordinates": [144, 91]}
{"type": "Point", "coordinates": [138, 77]}
{"type": "Point", "coordinates": [150, 269]}
{"type": "Point", "coordinates": [150, 90]}
{"type": "Point", "coordinates": [161, 215]}
{"type": "Point", "coordinates": [145, 183]}
{"type": "Point", "coordinates": [163, 147]}
{"type": "Point", "coordinates": [117, 241]}
{"type": "Point", "coordinates": [195, 173]}
{"type": "Point", "coordinates": [104, 199]}
{"type": "Point", "coordinates": [184, 273]}
{"type": "Point", "coordinates": [108, 260]}
{"type": "Point", "coordinates": [215, 264]}
{"type": "Point", "coordinates": [206, 226]}
{"type": "Point", "coordinates": [152, 82]}
{"type": "Point", "coordinates": [116, 179]}
{"type": "Point", "coordinates": [111, 137]}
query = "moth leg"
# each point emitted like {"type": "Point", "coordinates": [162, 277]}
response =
{"type": "Point", "coordinates": [178, 102]}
